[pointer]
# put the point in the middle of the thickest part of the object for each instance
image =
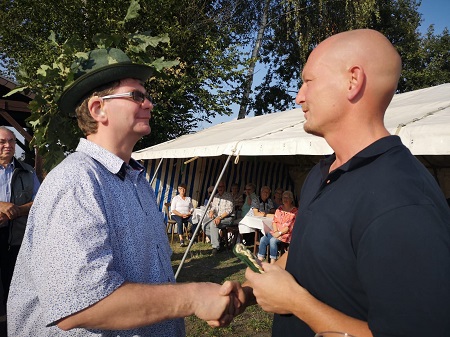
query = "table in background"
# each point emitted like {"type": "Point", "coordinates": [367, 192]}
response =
{"type": "Point", "coordinates": [257, 224]}
{"type": "Point", "coordinates": [198, 214]}
{"type": "Point", "coordinates": [249, 224]}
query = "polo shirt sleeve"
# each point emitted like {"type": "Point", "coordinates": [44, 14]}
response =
{"type": "Point", "coordinates": [403, 264]}
{"type": "Point", "coordinates": [73, 261]}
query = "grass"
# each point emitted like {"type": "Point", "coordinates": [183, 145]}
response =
{"type": "Point", "coordinates": [201, 266]}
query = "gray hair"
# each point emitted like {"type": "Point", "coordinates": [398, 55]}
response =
{"type": "Point", "coordinates": [252, 186]}
{"type": "Point", "coordinates": [4, 128]}
{"type": "Point", "coordinates": [289, 194]}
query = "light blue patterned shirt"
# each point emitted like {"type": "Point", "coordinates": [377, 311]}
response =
{"type": "Point", "coordinates": [94, 224]}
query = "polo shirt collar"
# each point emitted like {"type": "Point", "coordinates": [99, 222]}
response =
{"type": "Point", "coordinates": [362, 158]}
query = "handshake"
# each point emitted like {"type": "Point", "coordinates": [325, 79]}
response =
{"type": "Point", "coordinates": [219, 304]}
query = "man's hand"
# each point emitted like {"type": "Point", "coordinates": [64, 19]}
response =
{"type": "Point", "coordinates": [273, 301]}
{"type": "Point", "coordinates": [217, 220]}
{"type": "Point", "coordinates": [3, 218]}
{"type": "Point", "coordinates": [240, 295]}
{"type": "Point", "coordinates": [11, 210]}
{"type": "Point", "coordinates": [214, 306]}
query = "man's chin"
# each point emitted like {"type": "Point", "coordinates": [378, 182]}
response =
{"type": "Point", "coordinates": [311, 131]}
{"type": "Point", "coordinates": [145, 131]}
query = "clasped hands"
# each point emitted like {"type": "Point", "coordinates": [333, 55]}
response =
{"type": "Point", "coordinates": [8, 211]}
{"type": "Point", "coordinates": [258, 288]}
{"type": "Point", "coordinates": [186, 215]}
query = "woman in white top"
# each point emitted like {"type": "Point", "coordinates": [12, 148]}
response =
{"type": "Point", "coordinates": [181, 208]}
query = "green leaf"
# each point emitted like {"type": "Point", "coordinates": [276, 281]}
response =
{"type": "Point", "coordinates": [43, 70]}
{"type": "Point", "coordinates": [144, 40]}
{"type": "Point", "coordinates": [133, 10]}
{"type": "Point", "coordinates": [12, 92]}
{"type": "Point", "coordinates": [160, 64]}
{"type": "Point", "coordinates": [52, 37]}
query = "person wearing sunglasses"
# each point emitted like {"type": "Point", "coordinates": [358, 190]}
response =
{"type": "Point", "coordinates": [95, 259]}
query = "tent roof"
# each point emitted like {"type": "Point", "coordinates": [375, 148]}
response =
{"type": "Point", "coordinates": [421, 118]}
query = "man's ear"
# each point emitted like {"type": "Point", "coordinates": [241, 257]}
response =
{"type": "Point", "coordinates": [356, 83]}
{"type": "Point", "coordinates": [95, 108]}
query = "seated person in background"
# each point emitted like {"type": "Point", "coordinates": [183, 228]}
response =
{"type": "Point", "coordinates": [217, 215]}
{"type": "Point", "coordinates": [210, 190]}
{"type": "Point", "coordinates": [283, 222]}
{"type": "Point", "coordinates": [251, 199]}
{"type": "Point", "coordinates": [181, 208]}
{"type": "Point", "coordinates": [238, 200]}
{"type": "Point", "coordinates": [277, 200]}
{"type": "Point", "coordinates": [265, 204]}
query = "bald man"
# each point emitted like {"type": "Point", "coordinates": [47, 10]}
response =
{"type": "Point", "coordinates": [370, 249]}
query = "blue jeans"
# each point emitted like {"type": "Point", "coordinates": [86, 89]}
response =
{"type": "Point", "coordinates": [180, 221]}
{"type": "Point", "coordinates": [272, 242]}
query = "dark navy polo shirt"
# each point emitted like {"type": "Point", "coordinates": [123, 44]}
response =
{"type": "Point", "coordinates": [372, 240]}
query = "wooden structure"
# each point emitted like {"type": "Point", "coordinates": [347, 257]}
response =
{"type": "Point", "coordinates": [14, 111]}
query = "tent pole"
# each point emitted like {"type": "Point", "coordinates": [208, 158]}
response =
{"type": "Point", "coordinates": [201, 221]}
{"type": "Point", "coordinates": [156, 171]}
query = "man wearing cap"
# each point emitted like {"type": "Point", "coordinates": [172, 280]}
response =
{"type": "Point", "coordinates": [95, 259]}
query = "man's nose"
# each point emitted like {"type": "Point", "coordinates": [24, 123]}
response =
{"type": "Point", "coordinates": [300, 98]}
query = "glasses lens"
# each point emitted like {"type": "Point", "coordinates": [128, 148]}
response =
{"type": "Point", "coordinates": [140, 97]}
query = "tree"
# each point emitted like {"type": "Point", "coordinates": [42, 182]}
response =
{"type": "Point", "coordinates": [192, 90]}
{"type": "Point", "coordinates": [295, 27]}
{"type": "Point", "coordinates": [431, 65]}
{"type": "Point", "coordinates": [247, 85]}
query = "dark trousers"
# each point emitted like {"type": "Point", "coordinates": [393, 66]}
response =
{"type": "Point", "coordinates": [8, 257]}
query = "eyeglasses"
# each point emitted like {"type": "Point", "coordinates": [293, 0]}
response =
{"type": "Point", "coordinates": [9, 141]}
{"type": "Point", "coordinates": [136, 96]}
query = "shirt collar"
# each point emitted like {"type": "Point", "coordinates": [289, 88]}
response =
{"type": "Point", "coordinates": [363, 157]}
{"type": "Point", "coordinates": [109, 160]}
{"type": "Point", "coordinates": [11, 166]}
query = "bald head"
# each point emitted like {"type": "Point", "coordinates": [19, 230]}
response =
{"type": "Point", "coordinates": [373, 53]}
{"type": "Point", "coordinates": [348, 82]}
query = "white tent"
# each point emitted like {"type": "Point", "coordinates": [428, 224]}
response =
{"type": "Point", "coordinates": [421, 118]}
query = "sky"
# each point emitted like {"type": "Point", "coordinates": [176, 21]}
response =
{"type": "Point", "coordinates": [435, 12]}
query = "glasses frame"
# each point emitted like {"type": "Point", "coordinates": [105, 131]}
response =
{"type": "Point", "coordinates": [11, 141]}
{"type": "Point", "coordinates": [136, 95]}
